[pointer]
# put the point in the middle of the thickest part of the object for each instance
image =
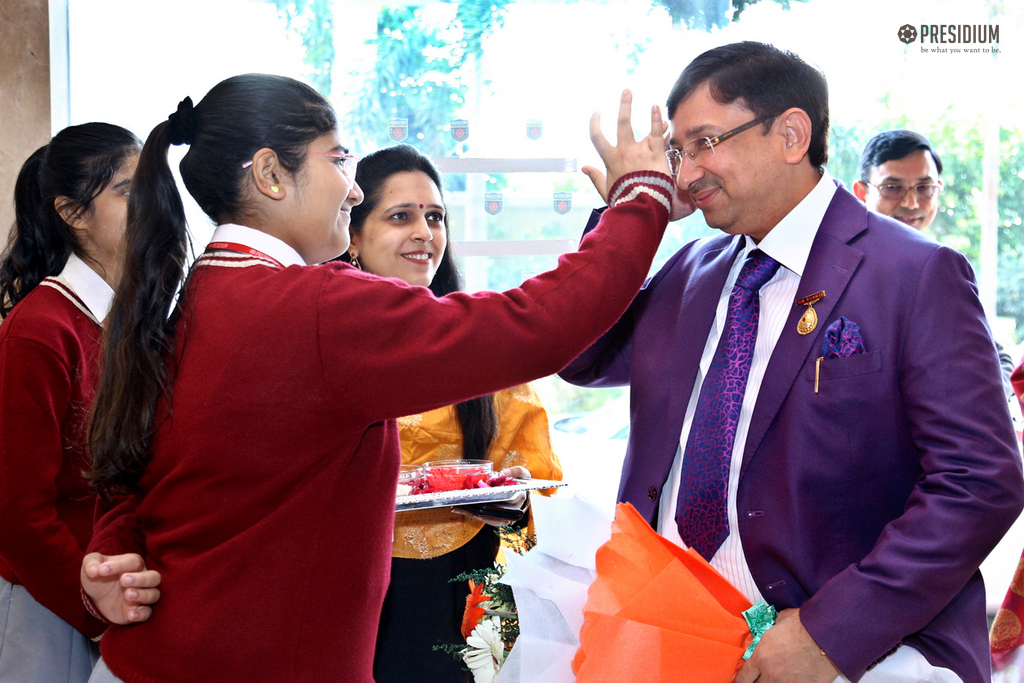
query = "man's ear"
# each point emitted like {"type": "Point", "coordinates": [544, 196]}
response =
{"type": "Point", "coordinates": [795, 126]}
{"type": "Point", "coordinates": [860, 191]}
{"type": "Point", "coordinates": [70, 212]}
{"type": "Point", "coordinates": [267, 172]}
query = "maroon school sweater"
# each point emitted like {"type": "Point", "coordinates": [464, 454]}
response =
{"type": "Point", "coordinates": [49, 350]}
{"type": "Point", "coordinates": [268, 506]}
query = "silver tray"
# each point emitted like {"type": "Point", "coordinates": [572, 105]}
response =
{"type": "Point", "coordinates": [441, 499]}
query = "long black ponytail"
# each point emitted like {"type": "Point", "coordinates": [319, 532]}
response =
{"type": "Point", "coordinates": [477, 418]}
{"type": "Point", "coordinates": [70, 170]}
{"type": "Point", "coordinates": [237, 117]}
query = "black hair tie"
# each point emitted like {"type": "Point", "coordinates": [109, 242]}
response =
{"type": "Point", "coordinates": [183, 123]}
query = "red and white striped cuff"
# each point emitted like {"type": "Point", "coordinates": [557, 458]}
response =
{"type": "Point", "coordinates": [632, 185]}
{"type": "Point", "coordinates": [91, 608]}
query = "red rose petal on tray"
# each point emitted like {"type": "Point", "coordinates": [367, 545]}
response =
{"type": "Point", "coordinates": [473, 479]}
{"type": "Point", "coordinates": [444, 481]}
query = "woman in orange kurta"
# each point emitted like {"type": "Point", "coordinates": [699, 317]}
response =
{"type": "Point", "coordinates": [401, 230]}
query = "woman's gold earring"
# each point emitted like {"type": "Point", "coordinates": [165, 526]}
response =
{"type": "Point", "coordinates": [353, 258]}
{"type": "Point", "coordinates": [275, 188]}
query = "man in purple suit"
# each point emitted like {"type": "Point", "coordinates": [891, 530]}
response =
{"type": "Point", "coordinates": [815, 395]}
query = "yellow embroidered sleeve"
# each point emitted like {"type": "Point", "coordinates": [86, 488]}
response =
{"type": "Point", "coordinates": [523, 437]}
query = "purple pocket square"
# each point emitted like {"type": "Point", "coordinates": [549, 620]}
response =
{"type": "Point", "coordinates": [842, 339]}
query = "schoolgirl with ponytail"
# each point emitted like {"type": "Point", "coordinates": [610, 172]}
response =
{"type": "Point", "coordinates": [57, 274]}
{"type": "Point", "coordinates": [254, 428]}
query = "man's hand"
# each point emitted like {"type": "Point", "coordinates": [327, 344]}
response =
{"type": "Point", "coordinates": [627, 155]}
{"type": "Point", "coordinates": [120, 586]}
{"type": "Point", "coordinates": [787, 654]}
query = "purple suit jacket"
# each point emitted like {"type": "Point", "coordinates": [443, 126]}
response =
{"type": "Point", "coordinates": [871, 504]}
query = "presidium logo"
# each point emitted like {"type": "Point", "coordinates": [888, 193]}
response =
{"type": "Point", "coordinates": [973, 38]}
{"type": "Point", "coordinates": [908, 33]}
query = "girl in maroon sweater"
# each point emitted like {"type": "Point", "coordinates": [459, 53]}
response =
{"type": "Point", "coordinates": [56, 277]}
{"type": "Point", "coordinates": [255, 428]}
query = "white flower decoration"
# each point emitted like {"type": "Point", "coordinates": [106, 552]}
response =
{"type": "Point", "coordinates": [486, 651]}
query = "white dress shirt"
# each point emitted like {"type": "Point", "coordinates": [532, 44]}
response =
{"type": "Point", "coordinates": [789, 243]}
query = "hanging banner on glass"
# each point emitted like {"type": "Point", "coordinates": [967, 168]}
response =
{"type": "Point", "coordinates": [460, 130]}
{"type": "Point", "coordinates": [534, 129]}
{"type": "Point", "coordinates": [399, 129]}
{"type": "Point", "coordinates": [563, 202]}
{"type": "Point", "coordinates": [492, 203]}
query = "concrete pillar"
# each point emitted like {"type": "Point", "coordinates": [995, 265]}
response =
{"type": "Point", "coordinates": [24, 93]}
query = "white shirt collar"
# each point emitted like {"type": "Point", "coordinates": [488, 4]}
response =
{"type": "Point", "coordinates": [276, 248]}
{"type": "Point", "coordinates": [789, 242]}
{"type": "Point", "coordinates": [87, 284]}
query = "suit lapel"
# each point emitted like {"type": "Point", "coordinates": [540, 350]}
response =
{"type": "Point", "coordinates": [831, 264]}
{"type": "Point", "coordinates": [697, 311]}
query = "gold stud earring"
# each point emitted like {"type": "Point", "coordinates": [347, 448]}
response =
{"type": "Point", "coordinates": [275, 188]}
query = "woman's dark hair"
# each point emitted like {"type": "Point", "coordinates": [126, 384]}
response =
{"type": "Point", "coordinates": [73, 168]}
{"type": "Point", "coordinates": [477, 418]}
{"type": "Point", "coordinates": [767, 80]}
{"type": "Point", "coordinates": [237, 117]}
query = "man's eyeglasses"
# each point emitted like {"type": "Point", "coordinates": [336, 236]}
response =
{"type": "Point", "coordinates": [346, 161]}
{"type": "Point", "coordinates": [896, 193]}
{"type": "Point", "coordinates": [700, 150]}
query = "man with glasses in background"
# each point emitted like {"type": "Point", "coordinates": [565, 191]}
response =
{"type": "Point", "coordinates": [901, 177]}
{"type": "Point", "coordinates": [815, 397]}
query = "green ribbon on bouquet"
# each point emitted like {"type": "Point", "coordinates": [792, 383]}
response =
{"type": "Point", "coordinates": [760, 618]}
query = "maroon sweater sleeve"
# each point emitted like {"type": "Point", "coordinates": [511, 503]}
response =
{"type": "Point", "coordinates": [39, 548]}
{"type": "Point", "coordinates": [116, 530]}
{"type": "Point", "coordinates": [416, 352]}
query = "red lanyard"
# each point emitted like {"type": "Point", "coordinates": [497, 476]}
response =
{"type": "Point", "coordinates": [233, 246]}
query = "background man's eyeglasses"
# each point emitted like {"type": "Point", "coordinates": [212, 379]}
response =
{"type": "Point", "coordinates": [701, 149]}
{"type": "Point", "coordinates": [924, 193]}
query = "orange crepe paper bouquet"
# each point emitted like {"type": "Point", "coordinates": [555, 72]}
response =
{"type": "Point", "coordinates": [657, 612]}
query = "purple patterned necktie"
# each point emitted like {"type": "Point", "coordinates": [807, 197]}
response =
{"type": "Point", "coordinates": [701, 508]}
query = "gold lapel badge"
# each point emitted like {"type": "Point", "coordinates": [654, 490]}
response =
{"type": "Point", "coordinates": [809, 320]}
